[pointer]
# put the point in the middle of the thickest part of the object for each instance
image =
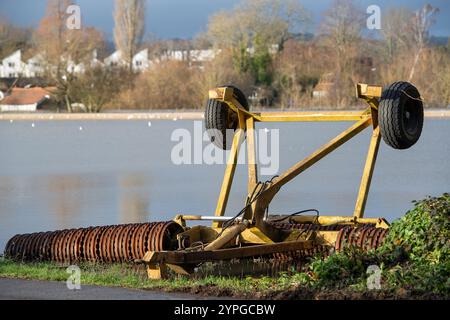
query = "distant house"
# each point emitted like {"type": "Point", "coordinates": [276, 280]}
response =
{"type": "Point", "coordinates": [189, 55]}
{"type": "Point", "coordinates": [73, 67]}
{"type": "Point", "coordinates": [12, 66]}
{"type": "Point", "coordinates": [114, 60]}
{"type": "Point", "coordinates": [202, 55]}
{"type": "Point", "coordinates": [35, 66]}
{"type": "Point", "coordinates": [24, 99]}
{"type": "Point", "coordinates": [140, 60]}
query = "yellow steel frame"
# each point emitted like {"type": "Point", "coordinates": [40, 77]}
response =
{"type": "Point", "coordinates": [247, 123]}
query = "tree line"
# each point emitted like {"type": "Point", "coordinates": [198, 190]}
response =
{"type": "Point", "coordinates": [263, 49]}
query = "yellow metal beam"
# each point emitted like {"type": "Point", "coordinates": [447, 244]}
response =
{"type": "Point", "coordinates": [254, 235]}
{"type": "Point", "coordinates": [251, 155]}
{"type": "Point", "coordinates": [368, 91]}
{"type": "Point", "coordinates": [229, 171]}
{"type": "Point", "coordinates": [367, 173]}
{"type": "Point", "coordinates": [307, 116]}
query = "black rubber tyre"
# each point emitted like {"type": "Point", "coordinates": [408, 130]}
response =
{"type": "Point", "coordinates": [219, 119]}
{"type": "Point", "coordinates": [400, 115]}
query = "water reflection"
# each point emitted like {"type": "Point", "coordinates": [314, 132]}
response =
{"type": "Point", "coordinates": [133, 199]}
{"type": "Point", "coordinates": [42, 203]}
{"type": "Point", "coordinates": [65, 192]}
{"type": "Point", "coordinates": [55, 177]}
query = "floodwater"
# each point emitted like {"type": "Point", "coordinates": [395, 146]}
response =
{"type": "Point", "coordinates": [58, 174]}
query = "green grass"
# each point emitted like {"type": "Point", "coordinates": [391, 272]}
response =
{"type": "Point", "coordinates": [414, 262]}
{"type": "Point", "coordinates": [129, 276]}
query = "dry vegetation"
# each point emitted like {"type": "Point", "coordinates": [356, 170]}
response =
{"type": "Point", "coordinates": [342, 53]}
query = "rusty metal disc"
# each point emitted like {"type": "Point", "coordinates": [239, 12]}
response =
{"type": "Point", "coordinates": [341, 238]}
{"type": "Point", "coordinates": [122, 242]}
{"type": "Point", "coordinates": [52, 245]}
{"type": "Point", "coordinates": [153, 237]}
{"type": "Point", "coordinates": [39, 245]}
{"type": "Point", "coordinates": [101, 241]}
{"type": "Point", "coordinates": [139, 239]}
{"type": "Point", "coordinates": [98, 243]}
{"type": "Point", "coordinates": [74, 246]}
{"type": "Point", "coordinates": [110, 244]}
{"type": "Point", "coordinates": [134, 240]}
{"type": "Point", "coordinates": [35, 248]}
{"type": "Point", "coordinates": [374, 241]}
{"type": "Point", "coordinates": [143, 239]}
{"type": "Point", "coordinates": [65, 244]}
{"type": "Point", "coordinates": [127, 242]}
{"type": "Point", "coordinates": [81, 243]}
{"type": "Point", "coordinates": [28, 246]}
{"type": "Point", "coordinates": [123, 249]}
{"type": "Point", "coordinates": [115, 241]}
{"type": "Point", "coordinates": [383, 237]}
{"type": "Point", "coordinates": [88, 244]}
{"type": "Point", "coordinates": [58, 245]}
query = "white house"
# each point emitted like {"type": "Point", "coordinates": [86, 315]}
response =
{"type": "Point", "coordinates": [189, 55]}
{"type": "Point", "coordinates": [72, 67]}
{"type": "Point", "coordinates": [202, 55]}
{"type": "Point", "coordinates": [12, 66]}
{"type": "Point", "coordinates": [114, 60]}
{"type": "Point", "coordinates": [175, 55]}
{"type": "Point", "coordinates": [140, 60]}
{"type": "Point", "coordinates": [35, 66]}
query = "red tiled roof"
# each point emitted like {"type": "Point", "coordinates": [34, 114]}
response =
{"type": "Point", "coordinates": [22, 96]}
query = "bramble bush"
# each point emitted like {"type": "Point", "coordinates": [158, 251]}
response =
{"type": "Point", "coordinates": [415, 255]}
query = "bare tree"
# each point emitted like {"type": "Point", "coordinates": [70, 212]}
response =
{"type": "Point", "coordinates": [61, 48]}
{"type": "Point", "coordinates": [256, 24]}
{"type": "Point", "coordinates": [421, 23]}
{"type": "Point", "coordinates": [12, 38]}
{"type": "Point", "coordinates": [341, 32]}
{"type": "Point", "coordinates": [129, 28]}
{"type": "Point", "coordinates": [342, 28]}
{"type": "Point", "coordinates": [395, 31]}
{"type": "Point", "coordinates": [98, 86]}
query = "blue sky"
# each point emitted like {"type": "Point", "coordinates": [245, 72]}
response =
{"type": "Point", "coordinates": [185, 18]}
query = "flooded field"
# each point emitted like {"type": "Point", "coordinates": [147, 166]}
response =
{"type": "Point", "coordinates": [66, 174]}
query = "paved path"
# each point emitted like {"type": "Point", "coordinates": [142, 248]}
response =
{"type": "Point", "coordinates": [49, 290]}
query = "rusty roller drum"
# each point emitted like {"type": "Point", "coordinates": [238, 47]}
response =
{"type": "Point", "coordinates": [365, 238]}
{"type": "Point", "coordinates": [118, 243]}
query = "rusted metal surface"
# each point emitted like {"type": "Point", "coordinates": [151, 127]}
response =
{"type": "Point", "coordinates": [116, 243]}
{"type": "Point", "coordinates": [365, 238]}
{"type": "Point", "coordinates": [194, 257]}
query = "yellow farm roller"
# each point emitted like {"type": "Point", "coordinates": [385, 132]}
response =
{"type": "Point", "coordinates": [395, 113]}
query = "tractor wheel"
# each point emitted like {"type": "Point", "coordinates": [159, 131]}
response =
{"type": "Point", "coordinates": [400, 115]}
{"type": "Point", "coordinates": [221, 121]}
